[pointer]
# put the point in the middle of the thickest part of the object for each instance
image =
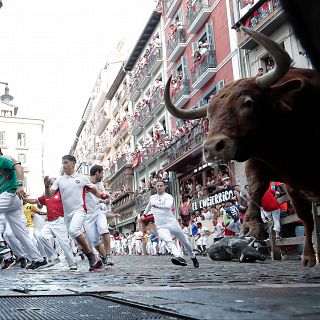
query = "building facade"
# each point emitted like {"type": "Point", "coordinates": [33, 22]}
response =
{"type": "Point", "coordinates": [22, 138]}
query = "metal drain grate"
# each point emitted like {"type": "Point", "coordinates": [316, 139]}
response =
{"type": "Point", "coordinates": [75, 307]}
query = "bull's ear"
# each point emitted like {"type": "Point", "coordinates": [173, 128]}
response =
{"type": "Point", "coordinates": [284, 93]}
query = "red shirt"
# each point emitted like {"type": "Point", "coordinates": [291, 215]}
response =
{"type": "Point", "coordinates": [54, 206]}
{"type": "Point", "coordinates": [269, 202]}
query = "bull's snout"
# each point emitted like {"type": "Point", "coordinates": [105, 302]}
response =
{"type": "Point", "coordinates": [213, 149]}
{"type": "Point", "coordinates": [219, 147]}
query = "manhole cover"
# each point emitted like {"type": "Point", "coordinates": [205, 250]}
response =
{"type": "Point", "coordinates": [71, 307]}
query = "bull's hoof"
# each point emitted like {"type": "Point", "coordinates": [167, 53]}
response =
{"type": "Point", "coordinates": [308, 261]}
{"type": "Point", "coordinates": [252, 229]}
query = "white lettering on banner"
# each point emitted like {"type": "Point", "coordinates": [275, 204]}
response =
{"type": "Point", "coordinates": [216, 198]}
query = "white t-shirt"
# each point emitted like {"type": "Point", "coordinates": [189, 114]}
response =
{"type": "Point", "coordinates": [92, 202]}
{"type": "Point", "coordinates": [218, 230]}
{"type": "Point", "coordinates": [162, 215]}
{"type": "Point", "coordinates": [207, 215]}
{"type": "Point", "coordinates": [72, 189]}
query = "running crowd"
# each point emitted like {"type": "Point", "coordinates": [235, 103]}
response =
{"type": "Point", "coordinates": [76, 217]}
{"type": "Point", "coordinates": [75, 205]}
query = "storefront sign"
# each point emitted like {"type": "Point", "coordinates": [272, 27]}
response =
{"type": "Point", "coordinates": [213, 199]}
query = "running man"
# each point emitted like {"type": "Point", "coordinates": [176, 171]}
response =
{"type": "Point", "coordinates": [161, 205]}
{"type": "Point", "coordinates": [11, 195]}
{"type": "Point", "coordinates": [96, 224]}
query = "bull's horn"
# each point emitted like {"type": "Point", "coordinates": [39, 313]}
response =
{"type": "Point", "coordinates": [282, 60]}
{"type": "Point", "coordinates": [180, 113]}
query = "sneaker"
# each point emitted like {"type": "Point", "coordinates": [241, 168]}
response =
{"type": "Point", "coordinates": [8, 263]}
{"type": "Point", "coordinates": [195, 262]}
{"type": "Point", "coordinates": [4, 249]}
{"type": "Point", "coordinates": [73, 267]}
{"type": "Point", "coordinates": [179, 261]}
{"type": "Point", "coordinates": [98, 265]}
{"type": "Point", "coordinates": [109, 261]}
{"type": "Point", "coordinates": [37, 265]}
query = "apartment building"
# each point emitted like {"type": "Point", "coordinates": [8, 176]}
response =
{"type": "Point", "coordinates": [22, 138]}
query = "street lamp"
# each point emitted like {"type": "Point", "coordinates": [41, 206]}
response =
{"type": "Point", "coordinates": [6, 97]}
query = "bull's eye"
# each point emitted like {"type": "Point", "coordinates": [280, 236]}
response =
{"type": "Point", "coordinates": [248, 103]}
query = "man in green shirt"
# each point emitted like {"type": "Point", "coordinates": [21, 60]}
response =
{"type": "Point", "coordinates": [11, 196]}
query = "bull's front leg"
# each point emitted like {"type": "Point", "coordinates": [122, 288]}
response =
{"type": "Point", "coordinates": [258, 177]}
{"type": "Point", "coordinates": [303, 209]}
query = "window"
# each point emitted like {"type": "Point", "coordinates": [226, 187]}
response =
{"type": "Point", "coordinates": [22, 157]}
{"type": "Point", "coordinates": [2, 138]}
{"type": "Point", "coordinates": [21, 139]}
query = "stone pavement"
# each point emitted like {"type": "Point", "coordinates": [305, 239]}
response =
{"type": "Point", "coordinates": [217, 290]}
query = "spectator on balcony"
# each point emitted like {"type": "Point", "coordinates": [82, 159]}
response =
{"type": "Point", "coordinates": [269, 67]}
{"type": "Point", "coordinates": [203, 47]}
{"type": "Point", "coordinates": [210, 184]}
{"type": "Point", "coordinates": [199, 189]}
{"type": "Point", "coordinates": [196, 56]}
{"type": "Point", "coordinates": [260, 72]}
{"type": "Point", "coordinates": [221, 178]}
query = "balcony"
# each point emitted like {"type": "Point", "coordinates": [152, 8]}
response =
{"type": "Point", "coordinates": [102, 121]}
{"type": "Point", "coordinates": [136, 125]}
{"type": "Point", "coordinates": [156, 101]}
{"type": "Point", "coordinates": [123, 161]}
{"type": "Point", "coordinates": [112, 170]}
{"type": "Point", "coordinates": [145, 116]}
{"type": "Point", "coordinates": [142, 200]}
{"type": "Point", "coordinates": [105, 146]}
{"type": "Point", "coordinates": [124, 201]}
{"type": "Point", "coordinates": [176, 45]}
{"type": "Point", "coordinates": [264, 16]}
{"type": "Point", "coordinates": [143, 77]}
{"type": "Point", "coordinates": [204, 70]}
{"type": "Point", "coordinates": [155, 60]}
{"type": "Point", "coordinates": [115, 107]}
{"type": "Point", "coordinates": [185, 146]}
{"type": "Point", "coordinates": [198, 14]}
{"type": "Point", "coordinates": [181, 94]}
{"type": "Point", "coordinates": [121, 132]}
{"type": "Point", "coordinates": [134, 90]}
{"type": "Point", "coordinates": [171, 7]}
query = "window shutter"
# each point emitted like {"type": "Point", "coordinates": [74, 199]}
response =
{"type": "Point", "coordinates": [210, 36]}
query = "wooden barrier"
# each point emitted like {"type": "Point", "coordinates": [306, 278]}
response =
{"type": "Point", "coordinates": [275, 245]}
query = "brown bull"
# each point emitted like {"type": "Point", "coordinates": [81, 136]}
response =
{"type": "Point", "coordinates": [256, 120]}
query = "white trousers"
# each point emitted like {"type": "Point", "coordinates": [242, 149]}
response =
{"type": "Point", "coordinates": [11, 207]}
{"type": "Point", "coordinates": [74, 222]}
{"type": "Point", "coordinates": [56, 228]}
{"type": "Point", "coordinates": [95, 224]}
{"type": "Point", "coordinates": [173, 228]}
{"type": "Point", "coordinates": [275, 214]}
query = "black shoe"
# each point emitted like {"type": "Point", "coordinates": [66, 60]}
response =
{"type": "Point", "coordinates": [195, 262]}
{"type": "Point", "coordinates": [37, 265]}
{"type": "Point", "coordinates": [23, 262]}
{"type": "Point", "coordinates": [4, 249]}
{"type": "Point", "coordinates": [179, 261]}
{"type": "Point", "coordinates": [8, 263]}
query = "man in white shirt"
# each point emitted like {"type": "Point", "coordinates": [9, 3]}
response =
{"type": "Point", "coordinates": [161, 205]}
{"type": "Point", "coordinates": [95, 223]}
{"type": "Point", "coordinates": [72, 187]}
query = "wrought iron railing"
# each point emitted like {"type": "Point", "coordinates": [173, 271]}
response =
{"type": "Point", "coordinates": [186, 143]}
{"type": "Point", "coordinates": [195, 9]}
{"type": "Point", "coordinates": [178, 37]}
{"type": "Point", "coordinates": [156, 99]}
{"type": "Point", "coordinates": [208, 60]}
{"type": "Point", "coordinates": [182, 89]}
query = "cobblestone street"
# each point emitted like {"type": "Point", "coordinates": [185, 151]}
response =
{"type": "Point", "coordinates": [224, 290]}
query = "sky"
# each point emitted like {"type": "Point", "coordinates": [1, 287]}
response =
{"type": "Point", "coordinates": [51, 54]}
